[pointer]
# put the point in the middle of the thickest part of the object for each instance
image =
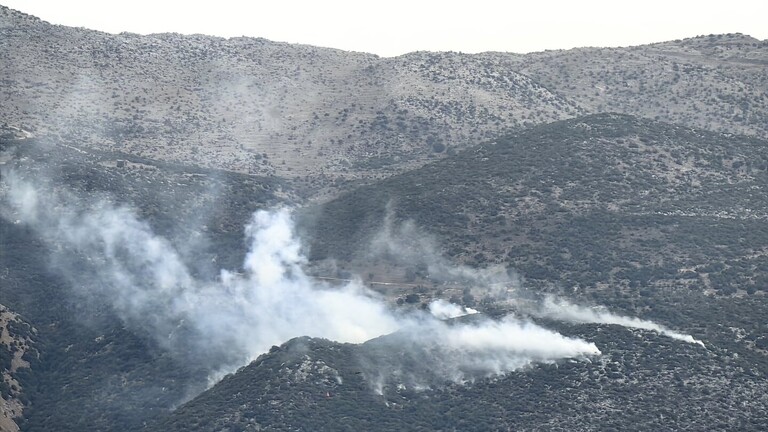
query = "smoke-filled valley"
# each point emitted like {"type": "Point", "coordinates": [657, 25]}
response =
{"type": "Point", "coordinates": [267, 236]}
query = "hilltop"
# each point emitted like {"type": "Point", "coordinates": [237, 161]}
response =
{"type": "Point", "coordinates": [642, 381]}
{"type": "Point", "coordinates": [317, 114]}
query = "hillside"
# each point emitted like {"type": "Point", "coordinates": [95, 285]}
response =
{"type": "Point", "coordinates": [642, 381]}
{"type": "Point", "coordinates": [252, 105]}
{"type": "Point", "coordinates": [655, 220]}
{"type": "Point", "coordinates": [605, 203]}
{"type": "Point", "coordinates": [651, 219]}
{"type": "Point", "coordinates": [317, 114]}
{"type": "Point", "coordinates": [17, 339]}
{"type": "Point", "coordinates": [714, 82]}
{"type": "Point", "coordinates": [648, 217]}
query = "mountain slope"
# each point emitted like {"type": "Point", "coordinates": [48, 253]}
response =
{"type": "Point", "coordinates": [227, 103]}
{"type": "Point", "coordinates": [646, 217]}
{"type": "Point", "coordinates": [715, 82]}
{"type": "Point", "coordinates": [189, 135]}
{"type": "Point", "coordinates": [604, 202]}
{"type": "Point", "coordinates": [255, 106]}
{"type": "Point", "coordinates": [642, 381]}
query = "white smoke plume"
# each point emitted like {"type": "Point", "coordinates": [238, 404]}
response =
{"type": "Point", "coordinates": [269, 302]}
{"type": "Point", "coordinates": [494, 347]}
{"type": "Point", "coordinates": [442, 309]}
{"type": "Point", "coordinates": [407, 244]}
{"type": "Point", "coordinates": [429, 353]}
{"type": "Point", "coordinates": [232, 320]}
{"type": "Point", "coordinates": [563, 310]}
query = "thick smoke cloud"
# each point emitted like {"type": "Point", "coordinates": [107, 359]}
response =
{"type": "Point", "coordinates": [240, 316]}
{"type": "Point", "coordinates": [227, 322]}
{"type": "Point", "coordinates": [271, 299]}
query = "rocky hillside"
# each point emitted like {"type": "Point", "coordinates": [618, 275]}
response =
{"type": "Point", "coordinates": [656, 220]}
{"type": "Point", "coordinates": [255, 106]}
{"type": "Point", "coordinates": [16, 352]}
{"type": "Point", "coordinates": [606, 202]}
{"type": "Point", "coordinates": [642, 381]}
{"type": "Point", "coordinates": [652, 219]}
{"type": "Point", "coordinates": [715, 82]}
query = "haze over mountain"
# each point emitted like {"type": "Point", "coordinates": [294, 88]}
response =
{"type": "Point", "coordinates": [200, 233]}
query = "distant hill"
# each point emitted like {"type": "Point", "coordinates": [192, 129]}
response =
{"type": "Point", "coordinates": [256, 106]}
{"type": "Point", "coordinates": [714, 82]}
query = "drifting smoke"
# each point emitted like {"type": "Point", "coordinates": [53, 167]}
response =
{"type": "Point", "coordinates": [230, 321]}
{"type": "Point", "coordinates": [407, 245]}
{"type": "Point", "coordinates": [241, 315]}
{"type": "Point", "coordinates": [442, 309]}
{"type": "Point", "coordinates": [562, 310]}
{"type": "Point", "coordinates": [431, 353]}
{"type": "Point", "coordinates": [404, 244]}
{"type": "Point", "coordinates": [227, 322]}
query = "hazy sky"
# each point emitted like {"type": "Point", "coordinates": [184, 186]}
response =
{"type": "Point", "coordinates": [395, 27]}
